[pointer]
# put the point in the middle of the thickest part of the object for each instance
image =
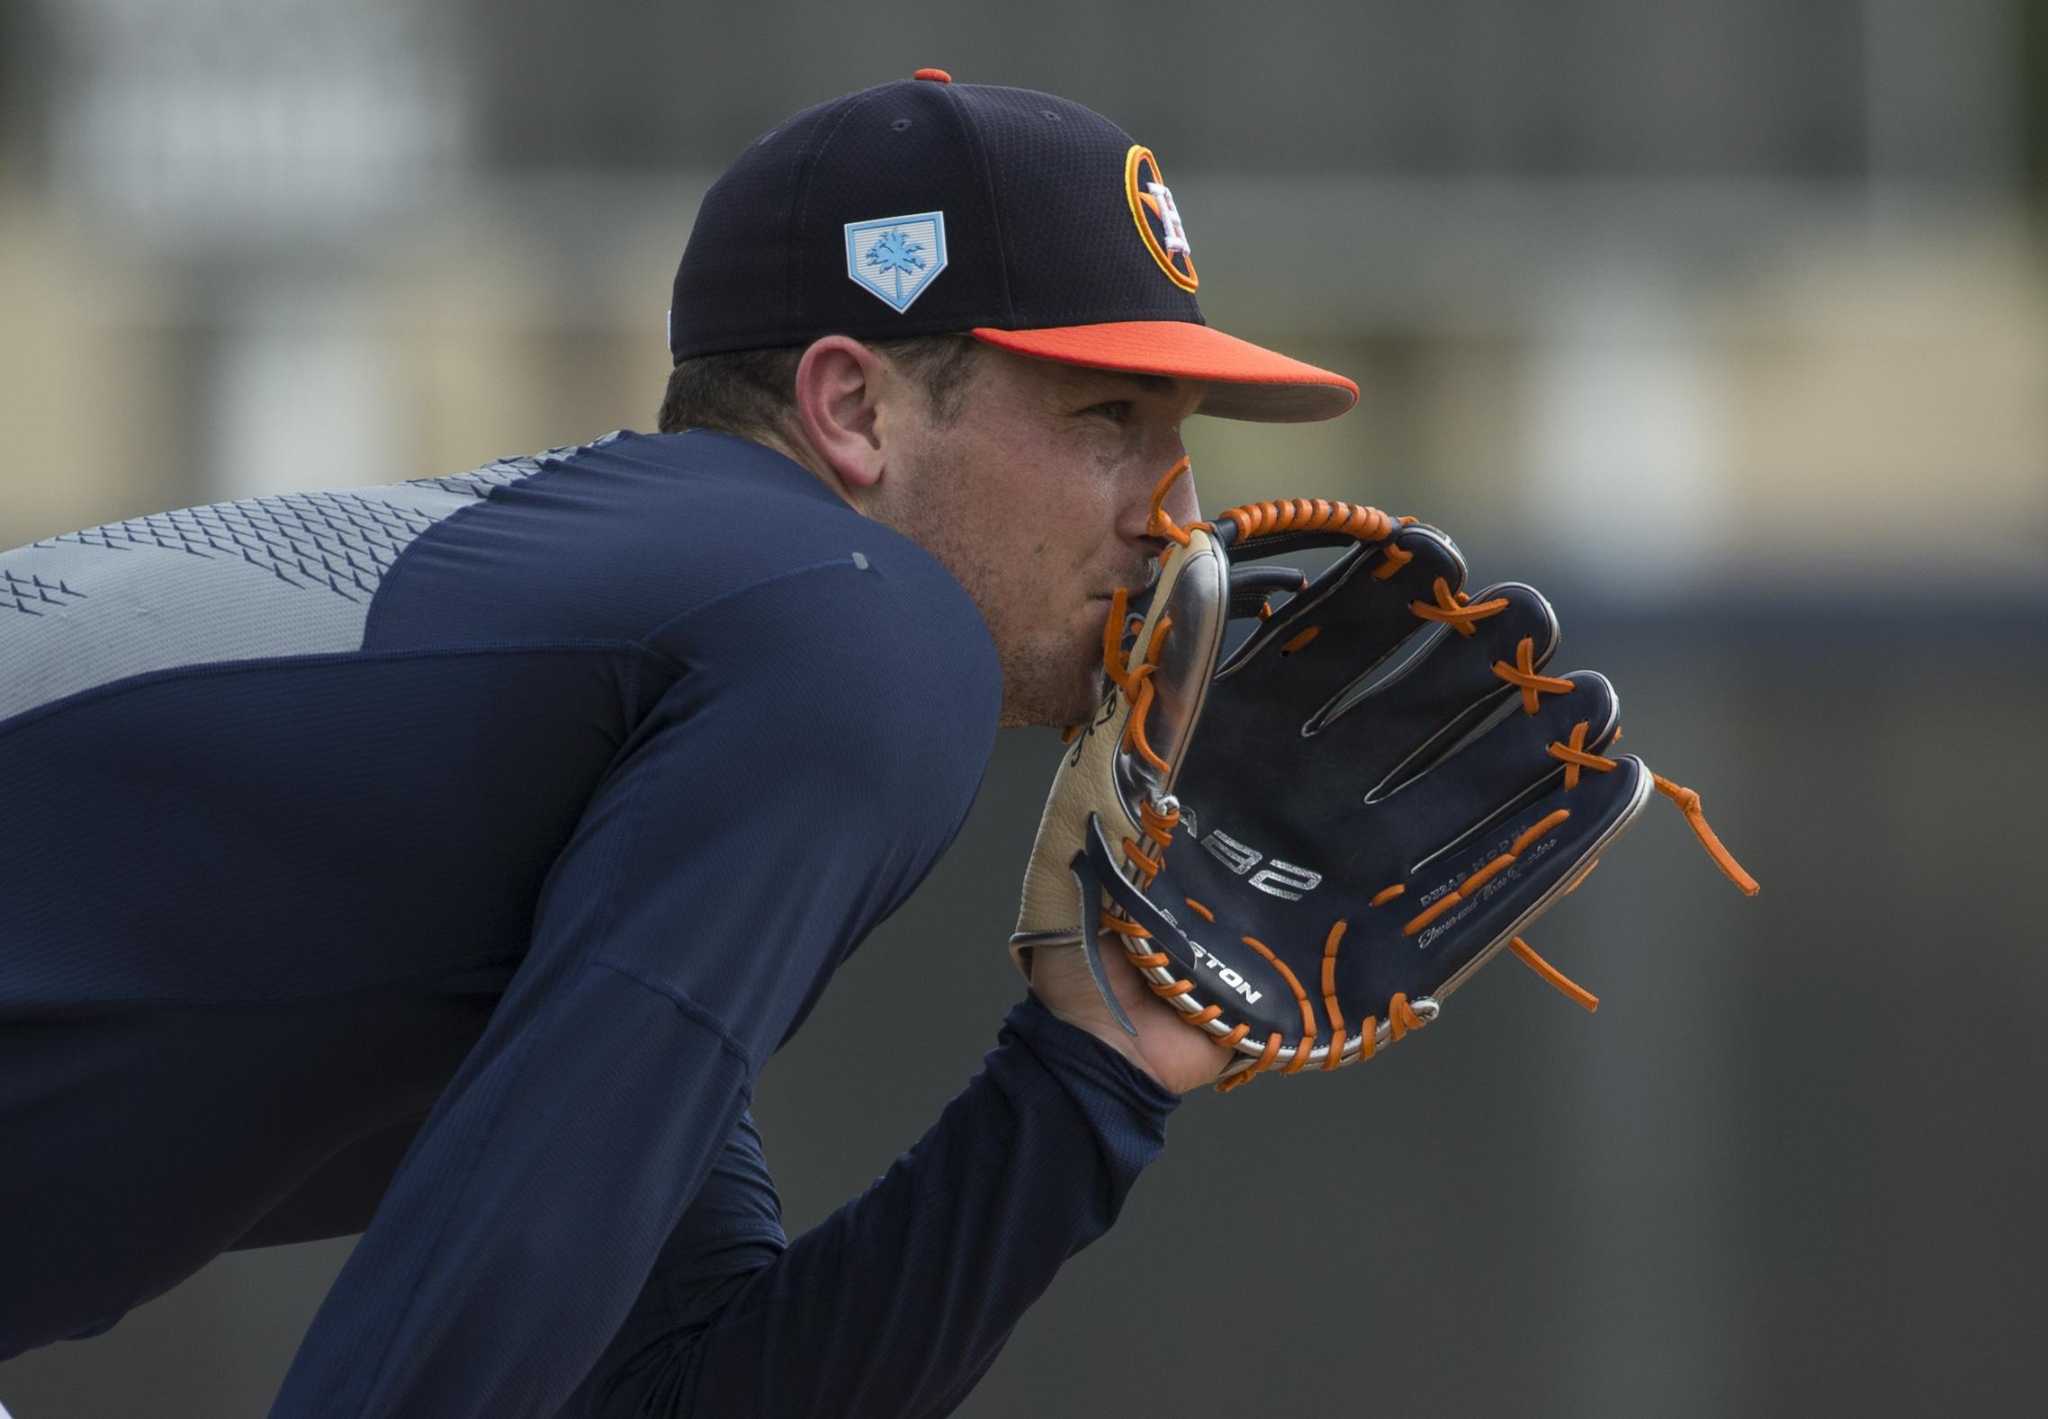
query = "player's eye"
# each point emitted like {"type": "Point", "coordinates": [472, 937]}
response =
{"type": "Point", "coordinates": [1117, 411]}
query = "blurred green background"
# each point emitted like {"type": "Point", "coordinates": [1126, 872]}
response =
{"type": "Point", "coordinates": [1726, 323]}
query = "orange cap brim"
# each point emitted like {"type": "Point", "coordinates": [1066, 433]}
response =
{"type": "Point", "coordinates": [1245, 381]}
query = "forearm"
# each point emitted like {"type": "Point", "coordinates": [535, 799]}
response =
{"type": "Point", "coordinates": [897, 1303]}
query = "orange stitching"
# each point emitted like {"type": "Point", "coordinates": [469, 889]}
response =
{"type": "Point", "coordinates": [1259, 1066]}
{"type": "Point", "coordinates": [1289, 647]}
{"type": "Point", "coordinates": [1159, 523]}
{"type": "Point", "coordinates": [1158, 827]}
{"type": "Point", "coordinates": [1400, 1018]}
{"type": "Point", "coordinates": [1484, 874]}
{"type": "Point", "coordinates": [1330, 979]}
{"type": "Point", "coordinates": [1114, 626]}
{"type": "Point", "coordinates": [1270, 519]}
{"type": "Point", "coordinates": [1566, 986]}
{"type": "Point", "coordinates": [1575, 756]}
{"type": "Point", "coordinates": [1308, 1014]}
{"type": "Point", "coordinates": [1689, 804]}
{"type": "Point", "coordinates": [1308, 1017]}
{"type": "Point", "coordinates": [1199, 909]}
{"type": "Point", "coordinates": [1387, 894]}
{"type": "Point", "coordinates": [1523, 675]}
{"type": "Point", "coordinates": [1431, 912]}
{"type": "Point", "coordinates": [1122, 927]}
{"type": "Point", "coordinates": [1337, 1035]}
{"type": "Point", "coordinates": [1134, 679]}
{"type": "Point", "coordinates": [1538, 829]}
{"type": "Point", "coordinates": [1456, 609]}
{"type": "Point", "coordinates": [1394, 559]}
{"type": "Point", "coordinates": [1300, 1060]}
{"type": "Point", "coordinates": [1141, 706]}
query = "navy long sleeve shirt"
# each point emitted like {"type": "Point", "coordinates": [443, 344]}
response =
{"type": "Point", "coordinates": [447, 858]}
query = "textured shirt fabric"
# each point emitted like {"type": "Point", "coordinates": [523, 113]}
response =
{"type": "Point", "coordinates": [445, 859]}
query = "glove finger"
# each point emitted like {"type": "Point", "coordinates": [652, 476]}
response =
{"type": "Point", "coordinates": [1348, 621]}
{"type": "Point", "coordinates": [1493, 774]}
{"type": "Point", "coordinates": [1360, 599]}
{"type": "Point", "coordinates": [1458, 907]}
{"type": "Point", "coordinates": [1387, 728]}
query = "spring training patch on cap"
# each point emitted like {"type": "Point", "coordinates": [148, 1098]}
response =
{"type": "Point", "coordinates": [896, 257]}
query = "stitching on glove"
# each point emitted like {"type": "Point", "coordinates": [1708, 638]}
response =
{"type": "Point", "coordinates": [1401, 1018]}
{"type": "Point", "coordinates": [1135, 680]}
{"type": "Point", "coordinates": [1574, 757]}
{"type": "Point", "coordinates": [1522, 674]}
{"type": "Point", "coordinates": [1565, 985]}
{"type": "Point", "coordinates": [1336, 1015]}
{"type": "Point", "coordinates": [1485, 874]}
{"type": "Point", "coordinates": [1308, 1014]}
{"type": "Point", "coordinates": [1159, 522]}
{"type": "Point", "coordinates": [1268, 519]}
{"type": "Point", "coordinates": [1393, 559]}
{"type": "Point", "coordinates": [1456, 609]}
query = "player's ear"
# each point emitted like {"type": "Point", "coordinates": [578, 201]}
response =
{"type": "Point", "coordinates": [839, 388]}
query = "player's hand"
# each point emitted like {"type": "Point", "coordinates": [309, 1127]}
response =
{"type": "Point", "coordinates": [1179, 1058]}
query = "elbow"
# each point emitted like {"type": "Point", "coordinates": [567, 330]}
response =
{"type": "Point", "coordinates": [652, 1367]}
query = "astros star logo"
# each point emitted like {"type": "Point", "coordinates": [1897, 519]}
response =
{"type": "Point", "coordinates": [1158, 219]}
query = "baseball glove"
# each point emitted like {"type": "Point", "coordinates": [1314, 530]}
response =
{"type": "Point", "coordinates": [1308, 845]}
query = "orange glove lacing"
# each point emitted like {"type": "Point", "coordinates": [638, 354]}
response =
{"type": "Point", "coordinates": [1454, 609]}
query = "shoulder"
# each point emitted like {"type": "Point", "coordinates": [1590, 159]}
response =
{"type": "Point", "coordinates": [872, 655]}
{"type": "Point", "coordinates": [654, 539]}
{"type": "Point", "coordinates": [833, 648]}
{"type": "Point", "coordinates": [797, 570]}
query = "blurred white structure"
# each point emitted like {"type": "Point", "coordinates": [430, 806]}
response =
{"type": "Point", "coordinates": [246, 122]}
{"type": "Point", "coordinates": [1615, 272]}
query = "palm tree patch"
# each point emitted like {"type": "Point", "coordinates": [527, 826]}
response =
{"type": "Point", "coordinates": [895, 258]}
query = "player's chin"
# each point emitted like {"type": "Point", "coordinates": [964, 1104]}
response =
{"type": "Point", "coordinates": [1058, 699]}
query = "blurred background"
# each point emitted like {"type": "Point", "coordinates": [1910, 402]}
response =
{"type": "Point", "coordinates": [1725, 322]}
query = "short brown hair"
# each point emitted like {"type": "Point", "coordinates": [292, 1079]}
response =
{"type": "Point", "coordinates": [752, 392]}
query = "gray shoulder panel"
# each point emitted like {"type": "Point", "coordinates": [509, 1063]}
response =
{"type": "Point", "coordinates": [244, 580]}
{"type": "Point", "coordinates": [482, 482]}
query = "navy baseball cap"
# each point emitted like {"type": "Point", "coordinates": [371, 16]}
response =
{"type": "Point", "coordinates": [926, 207]}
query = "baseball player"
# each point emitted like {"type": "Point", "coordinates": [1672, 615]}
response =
{"type": "Point", "coordinates": [443, 860]}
